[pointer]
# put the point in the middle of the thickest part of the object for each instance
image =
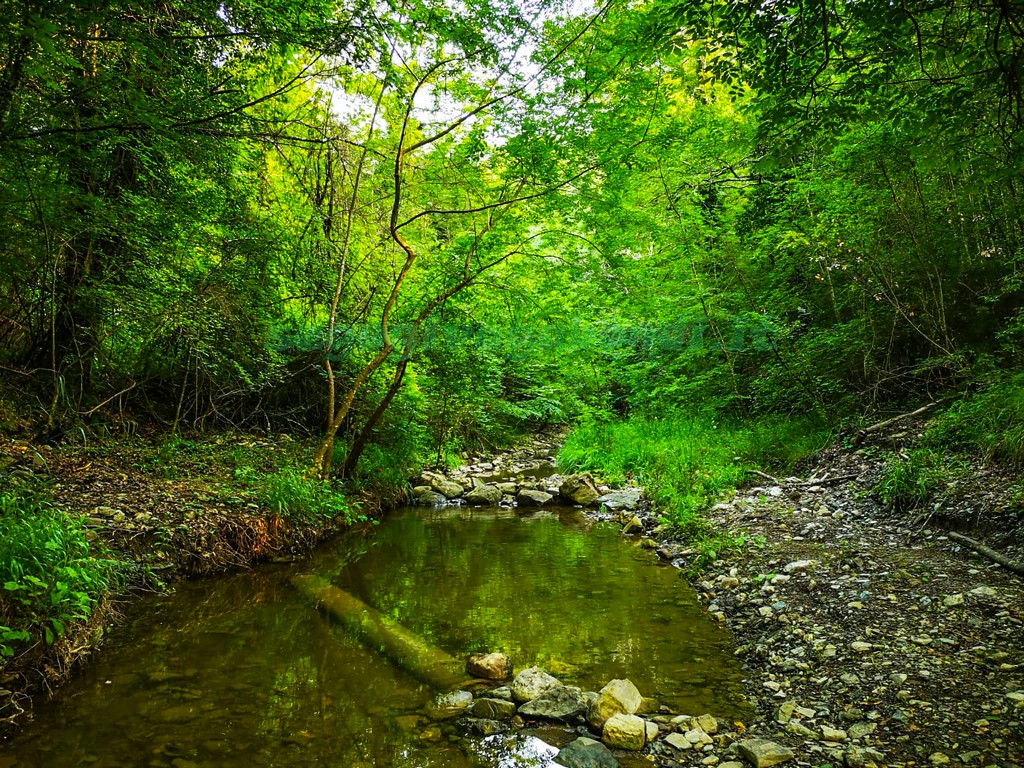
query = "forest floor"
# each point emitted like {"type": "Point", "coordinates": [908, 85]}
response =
{"type": "Point", "coordinates": [870, 636]}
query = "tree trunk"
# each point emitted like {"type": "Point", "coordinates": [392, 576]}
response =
{"type": "Point", "coordinates": [359, 444]}
{"type": "Point", "coordinates": [412, 653]}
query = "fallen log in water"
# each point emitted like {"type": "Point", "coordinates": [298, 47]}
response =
{"type": "Point", "coordinates": [414, 654]}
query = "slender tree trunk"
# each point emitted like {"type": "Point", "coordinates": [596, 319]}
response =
{"type": "Point", "coordinates": [364, 434]}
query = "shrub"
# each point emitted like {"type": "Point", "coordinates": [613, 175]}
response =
{"type": "Point", "coordinates": [991, 422]}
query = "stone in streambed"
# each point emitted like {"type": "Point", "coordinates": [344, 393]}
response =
{"type": "Point", "coordinates": [449, 705]}
{"type": "Point", "coordinates": [633, 524]}
{"type": "Point", "coordinates": [832, 734]}
{"type": "Point", "coordinates": [652, 730]}
{"type": "Point", "coordinates": [678, 741]}
{"type": "Point", "coordinates": [431, 499]}
{"type": "Point", "coordinates": [485, 495]}
{"type": "Point", "coordinates": [481, 727]}
{"type": "Point", "coordinates": [531, 683]}
{"type": "Point", "coordinates": [490, 666]}
{"type": "Point", "coordinates": [785, 712]}
{"type": "Point", "coordinates": [697, 737]}
{"type": "Point", "coordinates": [707, 723]}
{"type": "Point", "coordinates": [531, 498]}
{"type": "Point", "coordinates": [586, 753]}
{"type": "Point", "coordinates": [627, 499]}
{"type": "Point", "coordinates": [579, 489]}
{"type": "Point", "coordinates": [861, 729]}
{"type": "Point", "coordinates": [492, 709]}
{"type": "Point", "coordinates": [562, 703]}
{"type": "Point", "coordinates": [801, 730]}
{"type": "Point", "coordinates": [762, 753]}
{"type": "Point", "coordinates": [624, 732]}
{"type": "Point", "coordinates": [447, 488]}
{"type": "Point", "coordinates": [618, 697]}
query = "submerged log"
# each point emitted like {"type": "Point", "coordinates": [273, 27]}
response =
{"type": "Point", "coordinates": [412, 653]}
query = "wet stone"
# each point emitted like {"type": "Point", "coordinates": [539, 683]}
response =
{"type": "Point", "coordinates": [617, 697]}
{"type": "Point", "coordinates": [586, 753]}
{"type": "Point", "coordinates": [678, 741]}
{"type": "Point", "coordinates": [531, 683]}
{"type": "Point", "coordinates": [563, 703]}
{"type": "Point", "coordinates": [492, 709]}
{"type": "Point", "coordinates": [624, 732]}
{"type": "Point", "coordinates": [490, 666]}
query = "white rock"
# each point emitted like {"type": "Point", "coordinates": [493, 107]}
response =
{"type": "Point", "coordinates": [678, 741]}
{"type": "Point", "coordinates": [798, 566]}
{"type": "Point", "coordinates": [707, 723]}
{"type": "Point", "coordinates": [531, 683]}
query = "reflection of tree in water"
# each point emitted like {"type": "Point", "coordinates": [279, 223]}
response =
{"type": "Point", "coordinates": [542, 591]}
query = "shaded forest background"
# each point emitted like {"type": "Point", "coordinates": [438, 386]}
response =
{"type": "Point", "coordinates": [261, 262]}
{"type": "Point", "coordinates": [416, 230]}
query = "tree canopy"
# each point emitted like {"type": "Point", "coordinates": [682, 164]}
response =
{"type": "Point", "coordinates": [412, 228]}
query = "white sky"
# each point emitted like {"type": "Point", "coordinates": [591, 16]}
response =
{"type": "Point", "coordinates": [433, 106]}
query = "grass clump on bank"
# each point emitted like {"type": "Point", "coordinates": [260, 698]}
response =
{"type": "Point", "coordinates": [915, 478]}
{"type": "Point", "coordinates": [294, 495]}
{"type": "Point", "coordinates": [991, 422]}
{"type": "Point", "coordinates": [51, 577]}
{"type": "Point", "coordinates": [686, 463]}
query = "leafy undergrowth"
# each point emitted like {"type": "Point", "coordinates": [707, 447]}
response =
{"type": "Point", "coordinates": [910, 480]}
{"type": "Point", "coordinates": [991, 422]}
{"type": "Point", "coordinates": [51, 576]}
{"type": "Point", "coordinates": [83, 522]}
{"type": "Point", "coordinates": [687, 463]}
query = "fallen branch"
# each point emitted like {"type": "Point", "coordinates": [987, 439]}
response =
{"type": "Point", "coordinates": [829, 480]}
{"type": "Point", "coordinates": [862, 434]}
{"type": "Point", "coordinates": [805, 483]}
{"type": "Point", "coordinates": [383, 635]}
{"type": "Point", "coordinates": [988, 552]}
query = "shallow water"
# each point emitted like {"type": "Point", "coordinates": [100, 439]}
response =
{"type": "Point", "coordinates": [241, 671]}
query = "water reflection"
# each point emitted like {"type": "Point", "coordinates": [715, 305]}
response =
{"type": "Point", "coordinates": [240, 671]}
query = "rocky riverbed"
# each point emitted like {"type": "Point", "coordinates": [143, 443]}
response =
{"type": "Point", "coordinates": [527, 478]}
{"type": "Point", "coordinates": [869, 637]}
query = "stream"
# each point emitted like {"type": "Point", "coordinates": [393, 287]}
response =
{"type": "Point", "coordinates": [241, 671]}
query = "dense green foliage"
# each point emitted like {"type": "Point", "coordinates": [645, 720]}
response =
{"type": "Point", "coordinates": [415, 230]}
{"type": "Point", "coordinates": [49, 575]}
{"type": "Point", "coordinates": [253, 215]}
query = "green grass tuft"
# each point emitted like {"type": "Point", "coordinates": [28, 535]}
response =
{"type": "Point", "coordinates": [686, 463]}
{"type": "Point", "coordinates": [913, 479]}
{"type": "Point", "coordinates": [991, 422]}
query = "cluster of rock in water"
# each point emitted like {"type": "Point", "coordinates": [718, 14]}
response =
{"type": "Point", "coordinates": [618, 717]}
{"type": "Point", "coordinates": [531, 485]}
